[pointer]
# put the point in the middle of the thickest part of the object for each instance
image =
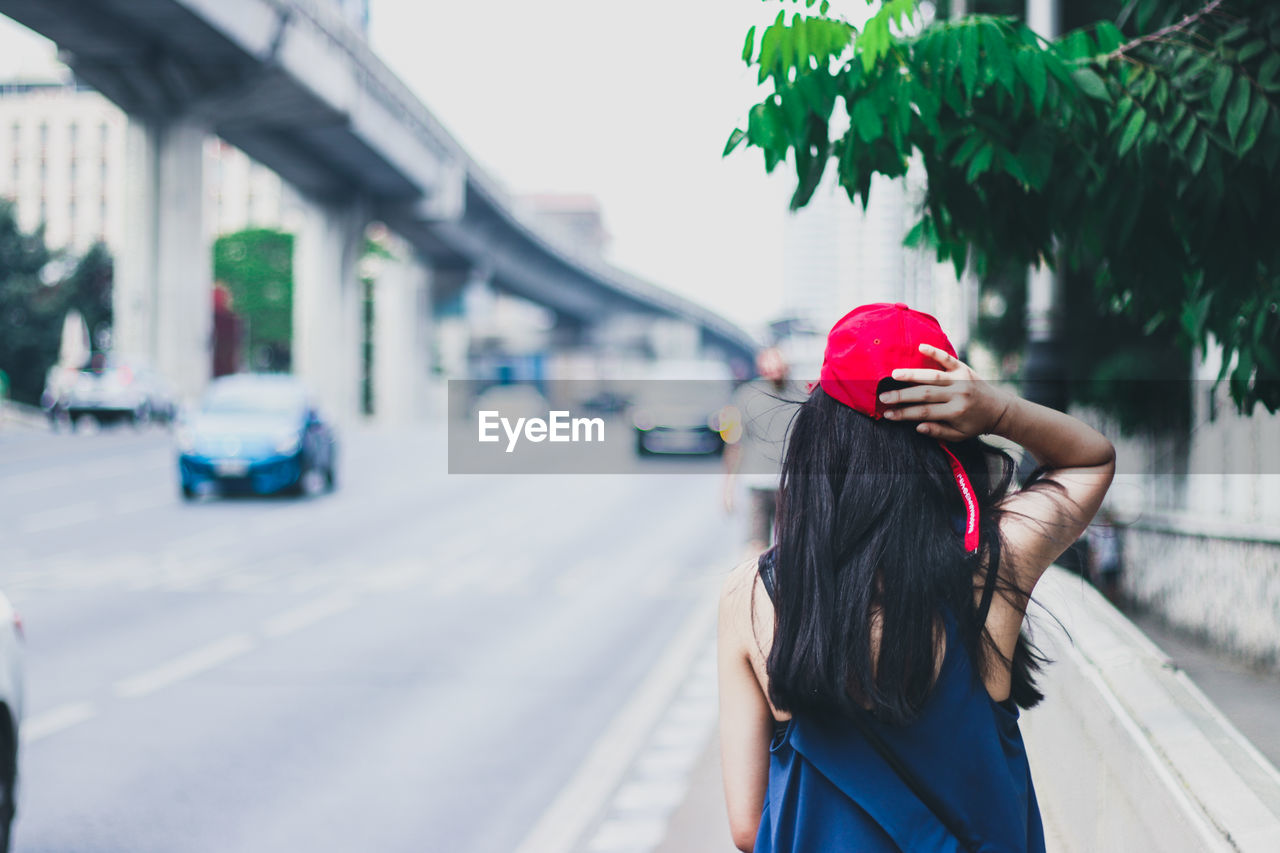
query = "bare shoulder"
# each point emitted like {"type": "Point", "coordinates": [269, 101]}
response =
{"type": "Point", "coordinates": [746, 624]}
{"type": "Point", "coordinates": [736, 595]}
{"type": "Point", "coordinates": [746, 613]}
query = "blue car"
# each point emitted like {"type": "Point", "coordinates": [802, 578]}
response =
{"type": "Point", "coordinates": [255, 434]}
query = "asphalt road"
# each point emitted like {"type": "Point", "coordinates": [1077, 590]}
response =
{"type": "Point", "coordinates": [417, 662]}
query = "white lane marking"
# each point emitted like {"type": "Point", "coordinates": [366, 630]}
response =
{"type": "Point", "coordinates": [629, 834]}
{"type": "Point", "coordinates": [192, 663]}
{"type": "Point", "coordinates": [671, 762]}
{"type": "Point", "coordinates": [61, 516]}
{"type": "Point", "coordinates": [141, 500]}
{"type": "Point", "coordinates": [396, 576]}
{"type": "Point", "coordinates": [308, 614]}
{"type": "Point", "coordinates": [653, 796]}
{"type": "Point", "coordinates": [66, 475]}
{"type": "Point", "coordinates": [599, 774]}
{"type": "Point", "coordinates": [55, 719]}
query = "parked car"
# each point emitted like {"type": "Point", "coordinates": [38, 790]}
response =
{"type": "Point", "coordinates": [255, 433]}
{"type": "Point", "coordinates": [107, 391]}
{"type": "Point", "coordinates": [677, 410]}
{"type": "Point", "coordinates": [11, 703]}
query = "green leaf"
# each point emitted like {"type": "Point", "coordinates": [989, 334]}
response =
{"type": "Point", "coordinates": [1091, 84]}
{"type": "Point", "coordinates": [866, 120]}
{"type": "Point", "coordinates": [765, 124]}
{"type": "Point", "coordinates": [1121, 113]}
{"type": "Point", "coordinates": [1131, 131]}
{"type": "Point", "coordinates": [918, 236]}
{"type": "Point", "coordinates": [796, 113]}
{"type": "Point", "coordinates": [749, 47]}
{"type": "Point", "coordinates": [1239, 31]}
{"type": "Point", "coordinates": [1199, 148]}
{"type": "Point", "coordinates": [980, 163]}
{"type": "Point", "coordinates": [1218, 89]}
{"type": "Point", "coordinates": [800, 31]}
{"type": "Point", "coordinates": [1250, 50]}
{"type": "Point", "coordinates": [874, 41]}
{"type": "Point", "coordinates": [1253, 125]}
{"type": "Point", "coordinates": [966, 149]}
{"type": "Point", "coordinates": [998, 57]}
{"type": "Point", "coordinates": [969, 60]}
{"type": "Point", "coordinates": [818, 90]}
{"type": "Point", "coordinates": [1034, 74]}
{"type": "Point", "coordinates": [1109, 36]}
{"type": "Point", "coordinates": [1077, 45]}
{"type": "Point", "coordinates": [770, 43]}
{"type": "Point", "coordinates": [1183, 135]}
{"type": "Point", "coordinates": [1237, 107]}
{"type": "Point", "coordinates": [735, 139]}
{"type": "Point", "coordinates": [1268, 73]}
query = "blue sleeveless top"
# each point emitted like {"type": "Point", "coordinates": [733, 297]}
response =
{"type": "Point", "coordinates": [830, 791]}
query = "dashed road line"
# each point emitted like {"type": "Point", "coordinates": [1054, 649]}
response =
{"type": "Point", "coordinates": [639, 812]}
{"type": "Point", "coordinates": [581, 800]}
{"type": "Point", "coordinates": [61, 516]}
{"type": "Point", "coordinates": [307, 614]}
{"type": "Point", "coordinates": [56, 719]}
{"type": "Point", "coordinates": [185, 666]}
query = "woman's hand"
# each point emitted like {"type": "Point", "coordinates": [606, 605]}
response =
{"type": "Point", "coordinates": [952, 404]}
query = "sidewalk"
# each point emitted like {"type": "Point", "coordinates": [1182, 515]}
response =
{"type": "Point", "coordinates": [1250, 698]}
{"type": "Point", "coordinates": [699, 824]}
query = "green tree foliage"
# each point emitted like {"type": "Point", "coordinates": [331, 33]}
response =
{"type": "Point", "coordinates": [31, 312]}
{"type": "Point", "coordinates": [1142, 152]}
{"type": "Point", "coordinates": [256, 266]}
{"type": "Point", "coordinates": [88, 290]}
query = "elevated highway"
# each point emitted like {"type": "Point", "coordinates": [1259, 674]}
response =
{"type": "Point", "coordinates": [296, 87]}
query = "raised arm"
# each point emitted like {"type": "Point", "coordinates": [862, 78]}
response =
{"type": "Point", "coordinates": [1041, 522]}
{"type": "Point", "coordinates": [954, 403]}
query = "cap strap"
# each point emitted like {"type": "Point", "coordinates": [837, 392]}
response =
{"type": "Point", "coordinates": [970, 500]}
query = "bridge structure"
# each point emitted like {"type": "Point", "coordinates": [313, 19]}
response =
{"type": "Point", "coordinates": [295, 86]}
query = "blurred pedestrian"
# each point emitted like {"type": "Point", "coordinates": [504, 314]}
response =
{"type": "Point", "coordinates": [755, 430]}
{"type": "Point", "coordinates": [227, 331]}
{"type": "Point", "coordinates": [1106, 555]}
{"type": "Point", "coordinates": [872, 663]}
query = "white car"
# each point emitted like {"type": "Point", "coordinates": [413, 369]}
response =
{"type": "Point", "coordinates": [677, 408]}
{"type": "Point", "coordinates": [11, 692]}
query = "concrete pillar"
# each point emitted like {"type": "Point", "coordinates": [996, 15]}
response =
{"type": "Point", "coordinates": [401, 340]}
{"type": "Point", "coordinates": [327, 303]}
{"type": "Point", "coordinates": [163, 285]}
{"type": "Point", "coordinates": [1044, 379]}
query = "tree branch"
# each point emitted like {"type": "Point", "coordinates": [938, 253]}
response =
{"type": "Point", "coordinates": [1186, 23]}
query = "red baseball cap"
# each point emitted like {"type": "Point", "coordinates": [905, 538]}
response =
{"type": "Point", "coordinates": [869, 343]}
{"type": "Point", "coordinates": [864, 348]}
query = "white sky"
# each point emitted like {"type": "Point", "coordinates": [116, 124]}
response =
{"type": "Point", "coordinates": [631, 102]}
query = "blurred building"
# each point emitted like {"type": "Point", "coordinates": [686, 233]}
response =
{"type": "Point", "coordinates": [836, 255]}
{"type": "Point", "coordinates": [63, 162]}
{"type": "Point", "coordinates": [573, 219]}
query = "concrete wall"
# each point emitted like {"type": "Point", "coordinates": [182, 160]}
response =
{"type": "Point", "coordinates": [1210, 577]}
{"type": "Point", "coordinates": [1200, 519]}
{"type": "Point", "coordinates": [1126, 753]}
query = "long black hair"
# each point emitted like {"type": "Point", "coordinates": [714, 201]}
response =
{"type": "Point", "coordinates": [867, 525]}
